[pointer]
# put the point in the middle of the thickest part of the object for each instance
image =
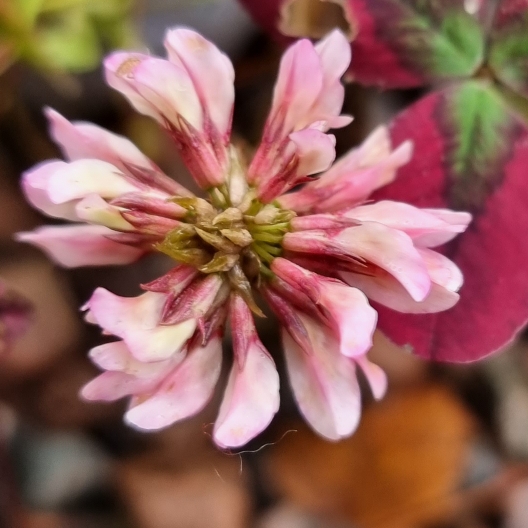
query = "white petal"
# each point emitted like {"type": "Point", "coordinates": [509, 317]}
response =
{"type": "Point", "coordinates": [183, 393]}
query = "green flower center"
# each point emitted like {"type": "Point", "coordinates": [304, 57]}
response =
{"type": "Point", "coordinates": [238, 241]}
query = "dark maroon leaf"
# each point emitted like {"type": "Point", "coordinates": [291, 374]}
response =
{"type": "Point", "coordinates": [509, 11]}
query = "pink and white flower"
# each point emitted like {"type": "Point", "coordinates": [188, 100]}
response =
{"type": "Point", "coordinates": [317, 254]}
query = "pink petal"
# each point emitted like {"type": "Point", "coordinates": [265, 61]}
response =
{"type": "Point", "coordinates": [80, 245]}
{"type": "Point", "coordinates": [95, 210]}
{"type": "Point", "coordinates": [375, 375]}
{"type": "Point", "coordinates": [350, 180]}
{"type": "Point", "coordinates": [113, 385]}
{"type": "Point", "coordinates": [251, 397]}
{"type": "Point", "coordinates": [136, 320]}
{"type": "Point", "coordinates": [80, 178]}
{"type": "Point", "coordinates": [80, 140]}
{"type": "Point", "coordinates": [293, 95]}
{"type": "Point", "coordinates": [419, 224]}
{"type": "Point", "coordinates": [111, 356]}
{"type": "Point", "coordinates": [458, 220]}
{"type": "Point", "coordinates": [374, 150]}
{"type": "Point", "coordinates": [155, 87]}
{"type": "Point", "coordinates": [315, 150]}
{"type": "Point", "coordinates": [183, 393]}
{"type": "Point", "coordinates": [211, 72]}
{"type": "Point", "coordinates": [35, 184]}
{"type": "Point", "coordinates": [442, 270]}
{"type": "Point", "coordinates": [386, 290]}
{"type": "Point", "coordinates": [324, 382]}
{"type": "Point", "coordinates": [356, 185]}
{"type": "Point", "coordinates": [170, 90]}
{"type": "Point", "coordinates": [347, 309]}
{"type": "Point", "coordinates": [116, 356]}
{"type": "Point", "coordinates": [250, 401]}
{"type": "Point", "coordinates": [119, 67]}
{"type": "Point", "coordinates": [392, 251]}
{"type": "Point", "coordinates": [355, 318]}
{"type": "Point", "coordinates": [334, 52]}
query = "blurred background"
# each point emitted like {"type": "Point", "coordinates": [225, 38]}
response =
{"type": "Point", "coordinates": [446, 448]}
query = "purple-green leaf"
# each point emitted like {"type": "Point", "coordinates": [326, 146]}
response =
{"type": "Point", "coordinates": [508, 55]}
{"type": "Point", "coordinates": [471, 153]}
{"type": "Point", "coordinates": [412, 42]}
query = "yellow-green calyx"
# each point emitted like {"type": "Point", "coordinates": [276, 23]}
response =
{"type": "Point", "coordinates": [240, 241]}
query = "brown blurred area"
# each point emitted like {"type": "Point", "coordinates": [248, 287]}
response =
{"type": "Point", "coordinates": [446, 448]}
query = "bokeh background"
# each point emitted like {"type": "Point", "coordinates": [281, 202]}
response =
{"type": "Point", "coordinates": [446, 448]}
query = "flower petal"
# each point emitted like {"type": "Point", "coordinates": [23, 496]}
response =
{"type": "Point", "coordinates": [351, 179]}
{"type": "Point", "coordinates": [119, 67]}
{"type": "Point", "coordinates": [334, 52]}
{"type": "Point", "coordinates": [315, 150]}
{"type": "Point", "coordinates": [385, 289]}
{"type": "Point", "coordinates": [136, 320]}
{"type": "Point", "coordinates": [355, 318]}
{"type": "Point", "coordinates": [155, 87]}
{"type": "Point", "coordinates": [116, 356]}
{"type": "Point", "coordinates": [79, 140]}
{"type": "Point", "coordinates": [80, 178]}
{"type": "Point", "coordinates": [419, 224]}
{"type": "Point", "coordinates": [81, 245]}
{"type": "Point", "coordinates": [389, 249]}
{"type": "Point", "coordinates": [392, 251]}
{"type": "Point", "coordinates": [251, 398]}
{"type": "Point", "coordinates": [293, 96]}
{"type": "Point", "coordinates": [210, 70]}
{"type": "Point", "coordinates": [170, 90]}
{"type": "Point", "coordinates": [346, 309]}
{"type": "Point", "coordinates": [183, 393]}
{"type": "Point", "coordinates": [250, 401]}
{"type": "Point", "coordinates": [442, 270]}
{"type": "Point", "coordinates": [457, 219]}
{"type": "Point", "coordinates": [324, 382]}
{"type": "Point", "coordinates": [375, 375]}
{"type": "Point", "coordinates": [95, 210]}
{"type": "Point", "coordinates": [35, 184]}
{"type": "Point", "coordinates": [113, 385]}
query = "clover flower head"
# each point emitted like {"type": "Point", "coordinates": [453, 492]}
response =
{"type": "Point", "coordinates": [316, 252]}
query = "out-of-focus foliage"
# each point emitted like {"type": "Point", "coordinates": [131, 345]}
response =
{"type": "Point", "coordinates": [15, 316]}
{"type": "Point", "coordinates": [62, 35]}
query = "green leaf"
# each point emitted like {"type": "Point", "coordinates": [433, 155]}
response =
{"type": "Point", "coordinates": [457, 49]}
{"type": "Point", "coordinates": [508, 60]}
{"type": "Point", "coordinates": [479, 131]}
